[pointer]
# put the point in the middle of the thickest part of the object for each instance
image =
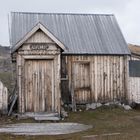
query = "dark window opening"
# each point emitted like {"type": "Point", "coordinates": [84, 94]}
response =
{"type": "Point", "coordinates": [134, 68]}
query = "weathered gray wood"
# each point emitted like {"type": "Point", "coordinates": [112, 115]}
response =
{"type": "Point", "coordinates": [12, 105]}
{"type": "Point", "coordinates": [73, 99]}
{"type": "Point", "coordinates": [3, 99]}
{"type": "Point", "coordinates": [98, 78]}
{"type": "Point", "coordinates": [106, 75]}
{"type": "Point", "coordinates": [34, 30]}
{"type": "Point", "coordinates": [134, 85]}
{"type": "Point", "coordinates": [38, 74]}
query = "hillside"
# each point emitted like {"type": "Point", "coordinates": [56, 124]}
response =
{"type": "Point", "coordinates": [4, 51]}
{"type": "Point", "coordinates": [5, 59]}
{"type": "Point", "coordinates": [6, 67]}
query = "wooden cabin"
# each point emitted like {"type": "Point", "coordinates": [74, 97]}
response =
{"type": "Point", "coordinates": [134, 74]}
{"type": "Point", "coordinates": [69, 58]}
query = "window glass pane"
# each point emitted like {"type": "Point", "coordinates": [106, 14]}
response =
{"type": "Point", "coordinates": [134, 68]}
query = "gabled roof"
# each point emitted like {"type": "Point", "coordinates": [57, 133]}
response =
{"type": "Point", "coordinates": [80, 33]}
{"type": "Point", "coordinates": [32, 31]}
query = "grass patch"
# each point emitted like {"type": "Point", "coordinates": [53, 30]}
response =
{"type": "Point", "coordinates": [104, 120]}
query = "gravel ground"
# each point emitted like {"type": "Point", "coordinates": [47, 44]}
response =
{"type": "Point", "coordinates": [43, 128]}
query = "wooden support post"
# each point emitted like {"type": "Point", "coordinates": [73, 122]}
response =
{"type": "Point", "coordinates": [73, 98]}
{"type": "Point", "coordinates": [12, 105]}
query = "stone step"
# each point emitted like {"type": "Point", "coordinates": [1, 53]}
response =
{"type": "Point", "coordinates": [45, 118]}
{"type": "Point", "coordinates": [42, 114]}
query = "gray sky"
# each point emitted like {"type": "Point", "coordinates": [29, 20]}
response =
{"type": "Point", "coordinates": [127, 13]}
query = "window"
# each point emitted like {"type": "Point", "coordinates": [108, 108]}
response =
{"type": "Point", "coordinates": [134, 68]}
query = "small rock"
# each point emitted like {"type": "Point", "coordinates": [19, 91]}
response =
{"type": "Point", "coordinates": [80, 110]}
{"type": "Point", "coordinates": [113, 103]}
{"type": "Point", "coordinates": [64, 114]}
{"type": "Point", "coordinates": [62, 119]}
{"type": "Point", "coordinates": [107, 104]}
{"type": "Point", "coordinates": [70, 106]}
{"type": "Point", "coordinates": [65, 105]}
{"type": "Point", "coordinates": [119, 104]}
{"type": "Point", "coordinates": [93, 106]}
{"type": "Point", "coordinates": [126, 107]}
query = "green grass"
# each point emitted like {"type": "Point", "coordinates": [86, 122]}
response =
{"type": "Point", "coordinates": [104, 120]}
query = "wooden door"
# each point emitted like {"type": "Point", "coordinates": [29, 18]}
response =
{"type": "Point", "coordinates": [39, 79]}
{"type": "Point", "coordinates": [81, 80]}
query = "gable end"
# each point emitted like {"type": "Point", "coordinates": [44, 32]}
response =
{"type": "Point", "coordinates": [29, 35]}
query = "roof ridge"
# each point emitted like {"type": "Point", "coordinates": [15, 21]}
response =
{"type": "Point", "coordinates": [63, 13]}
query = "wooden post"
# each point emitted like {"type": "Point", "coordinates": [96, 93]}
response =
{"type": "Point", "coordinates": [73, 98]}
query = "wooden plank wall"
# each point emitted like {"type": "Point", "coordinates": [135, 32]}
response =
{"type": "Point", "coordinates": [134, 85]}
{"type": "Point", "coordinates": [81, 81]}
{"type": "Point", "coordinates": [106, 74]}
{"type": "Point", "coordinates": [3, 99]}
{"type": "Point", "coordinates": [38, 85]}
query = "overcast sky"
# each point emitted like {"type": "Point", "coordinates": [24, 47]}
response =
{"type": "Point", "coordinates": [127, 13]}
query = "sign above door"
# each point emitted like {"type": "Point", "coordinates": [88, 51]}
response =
{"type": "Point", "coordinates": [39, 46]}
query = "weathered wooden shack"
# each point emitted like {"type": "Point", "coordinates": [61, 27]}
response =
{"type": "Point", "coordinates": [134, 74]}
{"type": "Point", "coordinates": [67, 58]}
